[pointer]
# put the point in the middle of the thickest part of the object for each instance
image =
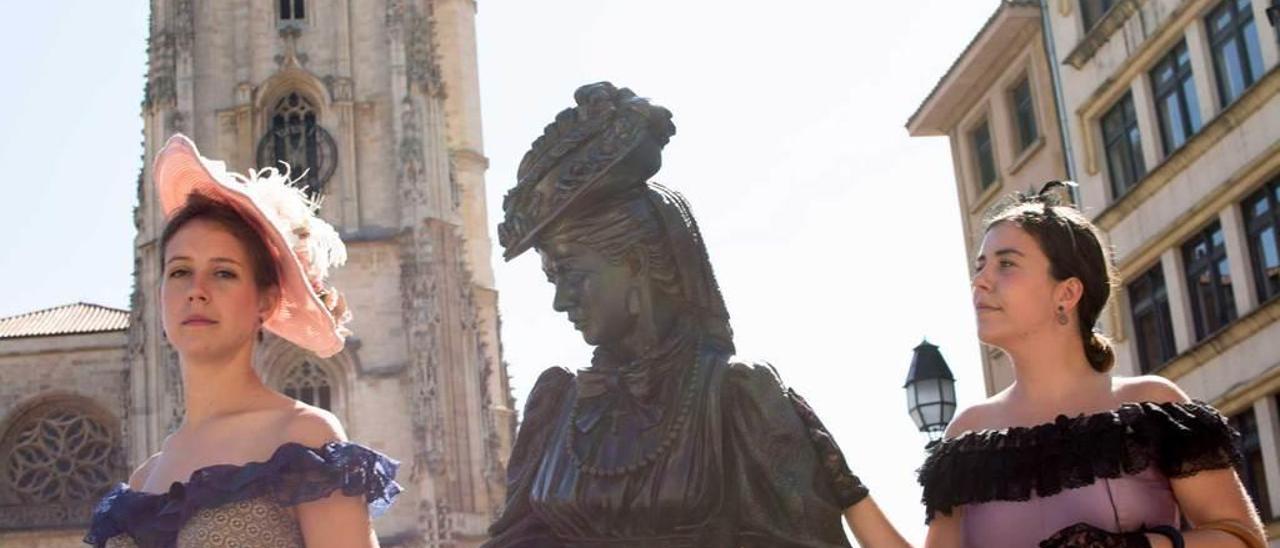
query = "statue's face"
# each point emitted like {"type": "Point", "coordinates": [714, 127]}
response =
{"type": "Point", "coordinates": [591, 290]}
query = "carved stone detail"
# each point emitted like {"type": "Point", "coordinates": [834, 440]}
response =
{"type": "Point", "coordinates": [417, 33]}
{"type": "Point", "coordinates": [340, 88]}
{"type": "Point", "coordinates": [439, 528]}
{"type": "Point", "coordinates": [160, 91]}
{"type": "Point", "coordinates": [291, 56]}
{"type": "Point", "coordinates": [184, 24]}
{"type": "Point", "coordinates": [418, 290]}
{"type": "Point", "coordinates": [60, 456]}
{"type": "Point", "coordinates": [136, 336]}
{"type": "Point", "coordinates": [412, 173]}
{"type": "Point", "coordinates": [173, 386]}
{"type": "Point", "coordinates": [56, 459]}
{"type": "Point", "coordinates": [176, 122]}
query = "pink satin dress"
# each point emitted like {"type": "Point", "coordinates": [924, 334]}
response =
{"type": "Point", "coordinates": [1126, 503]}
{"type": "Point", "coordinates": [1018, 486]}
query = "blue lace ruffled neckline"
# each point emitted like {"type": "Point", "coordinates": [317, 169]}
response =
{"type": "Point", "coordinates": [293, 475]}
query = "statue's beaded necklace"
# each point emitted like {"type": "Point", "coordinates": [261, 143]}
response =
{"type": "Point", "coordinates": [668, 437]}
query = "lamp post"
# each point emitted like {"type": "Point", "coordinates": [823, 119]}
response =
{"type": "Point", "coordinates": [931, 391]}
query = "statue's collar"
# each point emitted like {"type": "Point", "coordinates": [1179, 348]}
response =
{"type": "Point", "coordinates": [639, 377]}
{"type": "Point", "coordinates": [630, 393]}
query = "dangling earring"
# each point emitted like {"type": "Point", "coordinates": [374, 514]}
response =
{"type": "Point", "coordinates": [261, 336]}
{"type": "Point", "coordinates": [1062, 315]}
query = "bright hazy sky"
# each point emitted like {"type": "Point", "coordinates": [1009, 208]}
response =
{"type": "Point", "coordinates": [836, 237]}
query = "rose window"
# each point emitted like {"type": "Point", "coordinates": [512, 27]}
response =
{"type": "Point", "coordinates": [63, 455]}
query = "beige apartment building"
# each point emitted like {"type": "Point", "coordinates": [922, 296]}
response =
{"type": "Point", "coordinates": [996, 106]}
{"type": "Point", "coordinates": [1173, 125]}
{"type": "Point", "coordinates": [1174, 129]}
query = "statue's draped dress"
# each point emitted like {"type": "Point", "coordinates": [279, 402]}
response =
{"type": "Point", "coordinates": [683, 447]}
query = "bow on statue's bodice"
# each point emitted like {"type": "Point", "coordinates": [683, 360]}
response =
{"type": "Point", "coordinates": [632, 398]}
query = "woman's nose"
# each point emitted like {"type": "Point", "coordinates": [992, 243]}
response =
{"type": "Point", "coordinates": [197, 291]}
{"type": "Point", "coordinates": [981, 281]}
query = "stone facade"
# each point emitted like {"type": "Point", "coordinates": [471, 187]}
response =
{"type": "Point", "coordinates": [87, 375]}
{"type": "Point", "coordinates": [979, 89]}
{"type": "Point", "coordinates": [379, 101]}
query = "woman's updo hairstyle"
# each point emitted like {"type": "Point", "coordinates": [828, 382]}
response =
{"type": "Point", "coordinates": [1075, 250]}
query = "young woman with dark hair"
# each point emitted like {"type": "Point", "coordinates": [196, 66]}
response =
{"type": "Point", "coordinates": [248, 466]}
{"type": "Point", "coordinates": [1070, 455]}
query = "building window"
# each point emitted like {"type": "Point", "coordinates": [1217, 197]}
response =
{"type": "Point", "coordinates": [1123, 144]}
{"type": "Point", "coordinates": [293, 10]}
{"type": "Point", "coordinates": [1152, 322]}
{"type": "Point", "coordinates": [983, 154]}
{"type": "Point", "coordinates": [1093, 10]}
{"type": "Point", "coordinates": [1262, 222]}
{"type": "Point", "coordinates": [1024, 114]}
{"type": "Point", "coordinates": [1251, 471]}
{"type": "Point", "coordinates": [1209, 281]}
{"type": "Point", "coordinates": [1234, 40]}
{"type": "Point", "coordinates": [55, 454]}
{"type": "Point", "coordinates": [310, 385]}
{"type": "Point", "coordinates": [294, 137]}
{"type": "Point", "coordinates": [1175, 96]}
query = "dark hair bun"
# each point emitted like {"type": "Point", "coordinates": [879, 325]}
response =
{"type": "Point", "coordinates": [1100, 353]}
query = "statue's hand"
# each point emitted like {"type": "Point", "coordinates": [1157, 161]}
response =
{"type": "Point", "coordinates": [1083, 535]}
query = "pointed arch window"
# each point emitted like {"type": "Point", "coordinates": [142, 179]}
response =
{"type": "Point", "coordinates": [294, 136]}
{"type": "Point", "coordinates": [309, 384]}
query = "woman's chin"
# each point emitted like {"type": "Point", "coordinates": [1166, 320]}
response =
{"type": "Point", "coordinates": [991, 336]}
{"type": "Point", "coordinates": [207, 350]}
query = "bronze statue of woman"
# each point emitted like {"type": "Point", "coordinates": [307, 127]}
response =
{"type": "Point", "coordinates": [666, 439]}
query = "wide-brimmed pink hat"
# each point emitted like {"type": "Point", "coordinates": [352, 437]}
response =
{"type": "Point", "coordinates": [303, 246]}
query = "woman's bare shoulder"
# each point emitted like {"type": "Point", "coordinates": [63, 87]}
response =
{"type": "Point", "coordinates": [1147, 388]}
{"type": "Point", "coordinates": [140, 474]}
{"type": "Point", "coordinates": [983, 415]}
{"type": "Point", "coordinates": [311, 426]}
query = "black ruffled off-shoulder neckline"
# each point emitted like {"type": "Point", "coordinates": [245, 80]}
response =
{"type": "Point", "coordinates": [293, 475]}
{"type": "Point", "coordinates": [1012, 464]}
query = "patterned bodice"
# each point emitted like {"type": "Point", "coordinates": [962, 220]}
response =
{"type": "Point", "coordinates": [248, 523]}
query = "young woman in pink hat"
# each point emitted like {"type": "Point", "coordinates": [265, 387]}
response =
{"type": "Point", "coordinates": [248, 466]}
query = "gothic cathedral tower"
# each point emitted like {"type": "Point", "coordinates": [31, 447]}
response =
{"type": "Point", "coordinates": [378, 100]}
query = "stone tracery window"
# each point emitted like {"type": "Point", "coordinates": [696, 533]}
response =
{"type": "Point", "coordinates": [295, 137]}
{"type": "Point", "coordinates": [58, 453]}
{"type": "Point", "coordinates": [309, 384]}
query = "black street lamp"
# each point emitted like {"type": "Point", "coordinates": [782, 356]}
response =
{"type": "Point", "coordinates": [931, 391]}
